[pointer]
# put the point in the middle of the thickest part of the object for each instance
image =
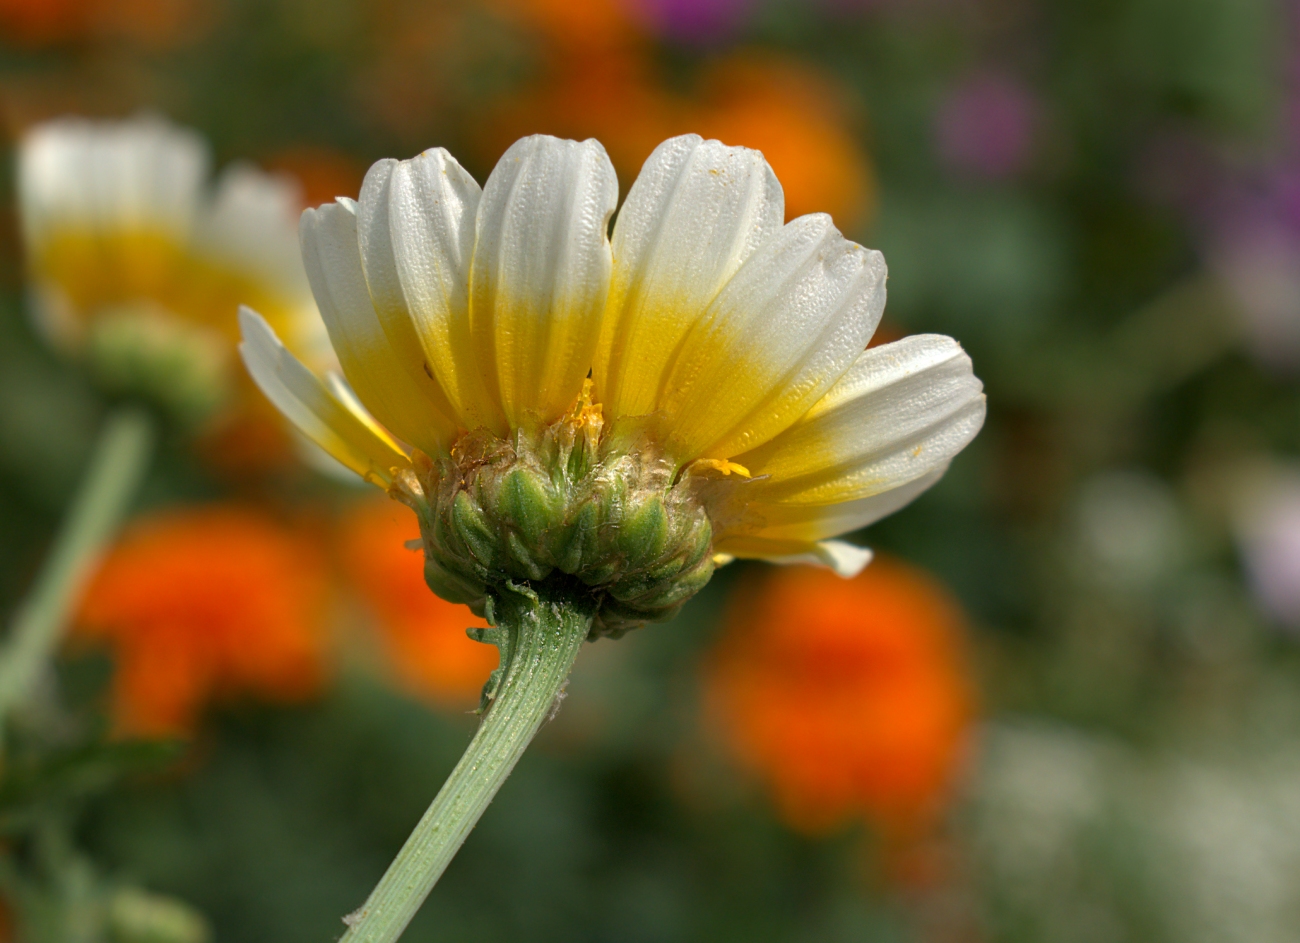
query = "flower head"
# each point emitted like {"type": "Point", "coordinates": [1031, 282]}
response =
{"type": "Point", "coordinates": [849, 696]}
{"type": "Point", "coordinates": [135, 265]}
{"type": "Point", "coordinates": [203, 603]}
{"type": "Point", "coordinates": [613, 411]}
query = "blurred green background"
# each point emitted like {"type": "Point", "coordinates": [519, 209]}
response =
{"type": "Point", "coordinates": [1100, 200]}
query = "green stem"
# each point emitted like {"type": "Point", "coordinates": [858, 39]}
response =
{"type": "Point", "coordinates": [543, 632]}
{"type": "Point", "coordinates": [116, 470]}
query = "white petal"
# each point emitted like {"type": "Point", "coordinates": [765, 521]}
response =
{"type": "Point", "coordinates": [782, 331]}
{"type": "Point", "coordinates": [416, 230]}
{"type": "Point", "coordinates": [369, 360]}
{"type": "Point", "coordinates": [817, 522]}
{"type": "Point", "coordinates": [846, 559]}
{"type": "Point", "coordinates": [696, 212]}
{"type": "Point", "coordinates": [143, 174]}
{"type": "Point", "coordinates": [540, 273]}
{"type": "Point", "coordinates": [360, 445]}
{"type": "Point", "coordinates": [902, 411]}
{"type": "Point", "coordinates": [252, 224]}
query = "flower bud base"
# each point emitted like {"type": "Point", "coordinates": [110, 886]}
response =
{"type": "Point", "coordinates": [605, 514]}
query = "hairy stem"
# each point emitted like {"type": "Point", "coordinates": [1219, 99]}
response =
{"type": "Point", "coordinates": [542, 631]}
{"type": "Point", "coordinates": [116, 469]}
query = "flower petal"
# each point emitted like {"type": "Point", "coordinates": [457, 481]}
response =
{"type": "Point", "coordinates": [357, 442]}
{"type": "Point", "coordinates": [804, 522]}
{"type": "Point", "coordinates": [783, 330]}
{"type": "Point", "coordinates": [846, 559]}
{"type": "Point", "coordinates": [541, 271]}
{"type": "Point", "coordinates": [696, 212]}
{"type": "Point", "coordinates": [903, 410]}
{"type": "Point", "coordinates": [251, 226]}
{"type": "Point", "coordinates": [416, 229]}
{"type": "Point", "coordinates": [416, 413]}
{"type": "Point", "coordinates": [143, 174]}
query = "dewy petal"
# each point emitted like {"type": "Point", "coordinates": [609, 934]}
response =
{"type": "Point", "coordinates": [540, 273]}
{"type": "Point", "coordinates": [903, 410]}
{"type": "Point", "coordinates": [372, 365]}
{"type": "Point", "coordinates": [696, 212]}
{"type": "Point", "coordinates": [143, 174]}
{"type": "Point", "coordinates": [351, 438]}
{"type": "Point", "coordinates": [416, 230]}
{"type": "Point", "coordinates": [782, 331]}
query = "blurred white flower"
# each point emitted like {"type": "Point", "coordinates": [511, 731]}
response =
{"type": "Point", "coordinates": [1130, 526]}
{"type": "Point", "coordinates": [1078, 837]}
{"type": "Point", "coordinates": [139, 265]}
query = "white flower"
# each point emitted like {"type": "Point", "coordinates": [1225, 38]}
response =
{"type": "Point", "coordinates": [118, 222]}
{"type": "Point", "coordinates": [714, 334]}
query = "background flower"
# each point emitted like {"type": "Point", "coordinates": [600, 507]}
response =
{"type": "Point", "coordinates": [206, 603]}
{"type": "Point", "coordinates": [850, 698]}
{"type": "Point", "coordinates": [985, 126]}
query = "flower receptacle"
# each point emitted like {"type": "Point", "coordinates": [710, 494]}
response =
{"type": "Point", "coordinates": [557, 504]}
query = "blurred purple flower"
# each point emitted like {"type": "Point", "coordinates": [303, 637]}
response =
{"type": "Point", "coordinates": [985, 126]}
{"type": "Point", "coordinates": [1259, 263]}
{"type": "Point", "coordinates": [1253, 245]}
{"type": "Point", "coordinates": [850, 7]}
{"type": "Point", "coordinates": [693, 21]}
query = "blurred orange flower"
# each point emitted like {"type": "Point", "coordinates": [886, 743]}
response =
{"type": "Point", "coordinates": [591, 27]}
{"type": "Point", "coordinates": [204, 603]}
{"type": "Point", "coordinates": [149, 23]}
{"type": "Point", "coordinates": [424, 636]}
{"type": "Point", "coordinates": [323, 173]}
{"type": "Point", "coordinates": [612, 92]}
{"type": "Point", "coordinates": [851, 697]}
{"type": "Point", "coordinates": [794, 116]}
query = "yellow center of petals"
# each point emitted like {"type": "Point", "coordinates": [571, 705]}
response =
{"type": "Point", "coordinates": [97, 271]}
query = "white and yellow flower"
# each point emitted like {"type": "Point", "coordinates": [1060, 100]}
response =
{"type": "Point", "coordinates": [131, 258]}
{"type": "Point", "coordinates": [717, 336]}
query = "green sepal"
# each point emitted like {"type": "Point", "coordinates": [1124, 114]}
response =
{"type": "Point", "coordinates": [451, 586]}
{"type": "Point", "coordinates": [523, 500]}
{"type": "Point", "coordinates": [473, 528]}
{"type": "Point", "coordinates": [644, 532]}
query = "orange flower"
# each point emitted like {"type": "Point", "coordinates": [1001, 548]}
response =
{"type": "Point", "coordinates": [424, 636]}
{"type": "Point", "coordinates": [586, 28]}
{"type": "Point", "coordinates": [794, 116]}
{"type": "Point", "coordinates": [788, 111]}
{"type": "Point", "coordinates": [149, 23]}
{"type": "Point", "coordinates": [850, 697]}
{"type": "Point", "coordinates": [206, 603]}
{"type": "Point", "coordinates": [322, 172]}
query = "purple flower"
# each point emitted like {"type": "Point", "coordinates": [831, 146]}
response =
{"type": "Point", "coordinates": [985, 126]}
{"type": "Point", "coordinates": [1253, 245]}
{"type": "Point", "coordinates": [698, 22]}
{"type": "Point", "coordinates": [1259, 263]}
{"type": "Point", "coordinates": [1269, 535]}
